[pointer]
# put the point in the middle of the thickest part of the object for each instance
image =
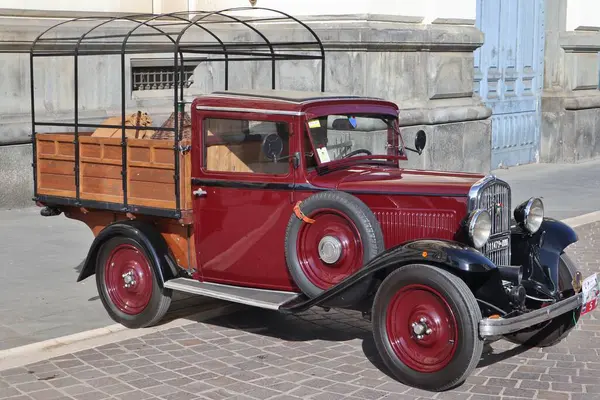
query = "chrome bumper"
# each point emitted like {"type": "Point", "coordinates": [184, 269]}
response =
{"type": "Point", "coordinates": [502, 326]}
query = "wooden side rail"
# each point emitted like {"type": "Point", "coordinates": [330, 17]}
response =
{"type": "Point", "coordinates": [150, 170]}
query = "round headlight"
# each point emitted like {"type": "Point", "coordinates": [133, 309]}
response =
{"type": "Point", "coordinates": [534, 215]}
{"type": "Point", "coordinates": [480, 228]}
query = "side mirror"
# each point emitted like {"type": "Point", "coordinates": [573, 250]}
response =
{"type": "Point", "coordinates": [420, 141]}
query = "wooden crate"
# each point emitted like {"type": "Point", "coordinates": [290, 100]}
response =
{"type": "Point", "coordinates": [150, 170]}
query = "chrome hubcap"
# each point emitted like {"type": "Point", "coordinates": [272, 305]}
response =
{"type": "Point", "coordinates": [129, 279]}
{"type": "Point", "coordinates": [330, 249]}
{"type": "Point", "coordinates": [421, 329]}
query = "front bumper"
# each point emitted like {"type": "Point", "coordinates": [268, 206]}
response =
{"type": "Point", "coordinates": [502, 326]}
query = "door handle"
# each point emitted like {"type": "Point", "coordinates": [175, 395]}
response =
{"type": "Point", "coordinates": [199, 192]}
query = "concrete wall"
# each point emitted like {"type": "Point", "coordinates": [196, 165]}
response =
{"type": "Point", "coordinates": [571, 99]}
{"type": "Point", "coordinates": [425, 11]}
{"type": "Point", "coordinates": [426, 68]}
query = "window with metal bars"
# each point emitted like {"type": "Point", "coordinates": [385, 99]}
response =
{"type": "Point", "coordinates": [158, 76]}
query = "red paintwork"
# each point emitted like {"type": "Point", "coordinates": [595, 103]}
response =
{"type": "Point", "coordinates": [394, 180]}
{"type": "Point", "coordinates": [435, 350]}
{"type": "Point", "coordinates": [332, 223]}
{"type": "Point", "coordinates": [125, 259]}
{"type": "Point", "coordinates": [240, 232]}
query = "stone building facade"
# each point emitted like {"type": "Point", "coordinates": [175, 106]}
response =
{"type": "Point", "coordinates": [432, 57]}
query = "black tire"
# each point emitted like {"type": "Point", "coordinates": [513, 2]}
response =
{"type": "Point", "coordinates": [462, 353]}
{"type": "Point", "coordinates": [159, 299]}
{"type": "Point", "coordinates": [554, 331]}
{"type": "Point", "coordinates": [368, 229]}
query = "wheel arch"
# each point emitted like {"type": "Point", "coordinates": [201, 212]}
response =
{"type": "Point", "coordinates": [152, 241]}
{"type": "Point", "coordinates": [478, 272]}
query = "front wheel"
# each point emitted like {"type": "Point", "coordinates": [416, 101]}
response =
{"type": "Point", "coordinates": [425, 327]}
{"type": "Point", "coordinates": [127, 284]}
{"type": "Point", "coordinates": [554, 331]}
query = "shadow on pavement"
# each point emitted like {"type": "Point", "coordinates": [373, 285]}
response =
{"type": "Point", "coordinates": [321, 326]}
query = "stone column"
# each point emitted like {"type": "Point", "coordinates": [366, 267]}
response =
{"type": "Point", "coordinates": [571, 99]}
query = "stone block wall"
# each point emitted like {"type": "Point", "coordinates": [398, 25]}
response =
{"type": "Point", "coordinates": [571, 99]}
{"type": "Point", "coordinates": [426, 68]}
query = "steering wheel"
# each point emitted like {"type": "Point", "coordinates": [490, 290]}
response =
{"type": "Point", "coordinates": [355, 152]}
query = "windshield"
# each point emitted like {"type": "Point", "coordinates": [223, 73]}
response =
{"type": "Point", "coordinates": [335, 137]}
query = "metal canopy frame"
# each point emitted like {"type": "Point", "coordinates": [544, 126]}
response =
{"type": "Point", "coordinates": [172, 27]}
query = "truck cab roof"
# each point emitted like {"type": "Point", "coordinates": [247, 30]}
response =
{"type": "Point", "coordinates": [284, 100]}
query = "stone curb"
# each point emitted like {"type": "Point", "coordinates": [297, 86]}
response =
{"type": "Point", "coordinates": [40, 351]}
{"type": "Point", "coordinates": [584, 219]}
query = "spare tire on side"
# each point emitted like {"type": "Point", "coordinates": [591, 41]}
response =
{"type": "Point", "coordinates": [330, 236]}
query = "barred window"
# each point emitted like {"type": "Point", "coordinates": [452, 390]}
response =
{"type": "Point", "coordinates": [154, 75]}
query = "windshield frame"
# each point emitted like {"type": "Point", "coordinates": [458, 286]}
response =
{"type": "Point", "coordinates": [380, 159]}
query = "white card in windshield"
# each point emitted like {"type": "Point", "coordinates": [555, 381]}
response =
{"type": "Point", "coordinates": [323, 154]}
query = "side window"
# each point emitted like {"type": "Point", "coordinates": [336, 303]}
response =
{"type": "Point", "coordinates": [236, 145]}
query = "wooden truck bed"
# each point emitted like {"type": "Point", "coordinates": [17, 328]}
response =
{"type": "Point", "coordinates": [150, 170]}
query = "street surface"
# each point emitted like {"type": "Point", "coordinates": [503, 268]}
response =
{"type": "Point", "coordinates": [568, 190]}
{"type": "Point", "coordinates": [39, 297]}
{"type": "Point", "coordinates": [40, 257]}
{"type": "Point", "coordinates": [258, 354]}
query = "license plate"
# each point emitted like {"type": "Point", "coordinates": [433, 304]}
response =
{"type": "Point", "coordinates": [591, 291]}
{"type": "Point", "coordinates": [498, 244]}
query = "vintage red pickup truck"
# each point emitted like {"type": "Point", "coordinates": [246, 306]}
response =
{"type": "Point", "coordinates": [288, 200]}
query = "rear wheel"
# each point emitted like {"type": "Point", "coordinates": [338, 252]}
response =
{"type": "Point", "coordinates": [425, 326]}
{"type": "Point", "coordinates": [127, 284]}
{"type": "Point", "coordinates": [554, 331]}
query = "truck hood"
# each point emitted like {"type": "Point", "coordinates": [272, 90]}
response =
{"type": "Point", "coordinates": [385, 180]}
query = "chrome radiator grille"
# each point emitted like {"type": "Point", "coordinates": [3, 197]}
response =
{"type": "Point", "coordinates": [493, 195]}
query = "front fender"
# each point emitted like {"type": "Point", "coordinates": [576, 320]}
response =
{"type": "Point", "coordinates": [152, 241]}
{"type": "Point", "coordinates": [539, 253]}
{"type": "Point", "coordinates": [463, 260]}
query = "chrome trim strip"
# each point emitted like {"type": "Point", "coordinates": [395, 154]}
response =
{"type": "Point", "coordinates": [503, 326]}
{"type": "Point", "coordinates": [271, 299]}
{"type": "Point", "coordinates": [475, 190]}
{"type": "Point", "coordinates": [251, 110]}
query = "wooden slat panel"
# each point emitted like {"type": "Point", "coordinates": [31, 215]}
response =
{"type": "Point", "coordinates": [46, 147]}
{"type": "Point", "coordinates": [150, 170]}
{"type": "Point", "coordinates": [145, 202]}
{"type": "Point", "coordinates": [113, 152]}
{"type": "Point", "coordinates": [99, 186]}
{"type": "Point", "coordinates": [57, 167]}
{"type": "Point", "coordinates": [152, 191]}
{"type": "Point", "coordinates": [91, 150]}
{"type": "Point", "coordinates": [141, 174]}
{"type": "Point", "coordinates": [66, 149]}
{"type": "Point", "coordinates": [99, 170]}
{"type": "Point", "coordinates": [164, 156]}
{"type": "Point", "coordinates": [57, 182]}
{"type": "Point", "coordinates": [139, 154]}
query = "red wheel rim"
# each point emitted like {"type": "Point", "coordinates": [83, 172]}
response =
{"type": "Point", "coordinates": [128, 279]}
{"type": "Point", "coordinates": [425, 306]}
{"type": "Point", "coordinates": [335, 224]}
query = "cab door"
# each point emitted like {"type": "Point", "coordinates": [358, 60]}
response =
{"type": "Point", "coordinates": [243, 181]}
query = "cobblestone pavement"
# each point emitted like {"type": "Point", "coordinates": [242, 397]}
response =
{"type": "Point", "coordinates": [257, 354]}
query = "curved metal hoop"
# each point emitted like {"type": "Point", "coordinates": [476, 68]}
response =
{"type": "Point", "coordinates": [173, 27]}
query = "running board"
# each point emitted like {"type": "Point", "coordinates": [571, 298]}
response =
{"type": "Point", "coordinates": [263, 298]}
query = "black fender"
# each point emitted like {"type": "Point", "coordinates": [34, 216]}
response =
{"type": "Point", "coordinates": [539, 253]}
{"type": "Point", "coordinates": [477, 270]}
{"type": "Point", "coordinates": [154, 244]}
